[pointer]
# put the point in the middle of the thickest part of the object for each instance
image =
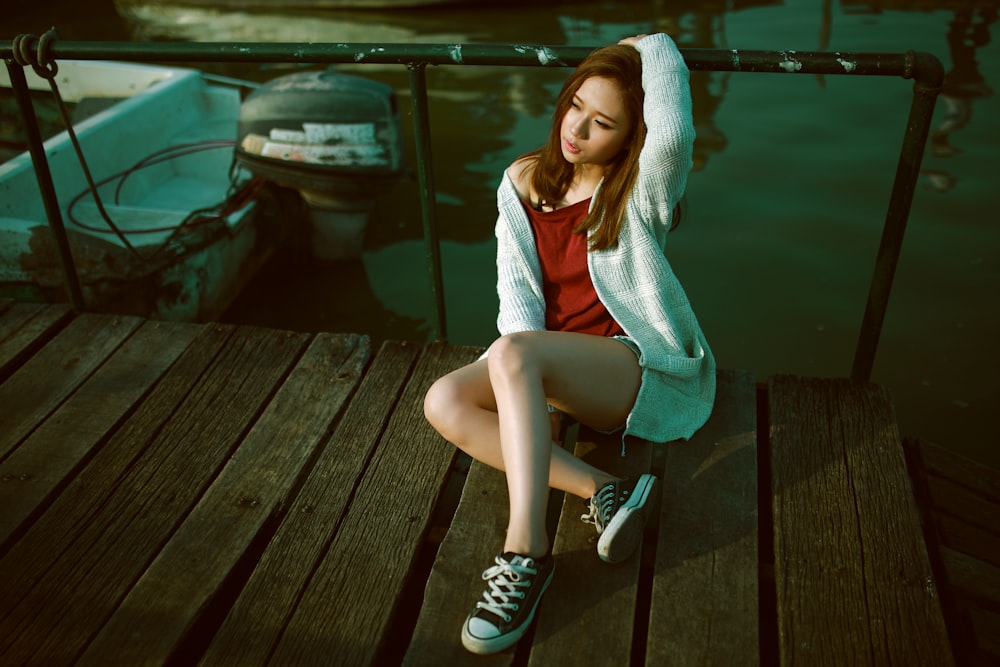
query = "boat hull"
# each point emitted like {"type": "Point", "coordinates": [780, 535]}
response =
{"type": "Point", "coordinates": [170, 264]}
{"type": "Point", "coordinates": [282, 5]}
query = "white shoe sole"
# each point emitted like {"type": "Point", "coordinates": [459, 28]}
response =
{"type": "Point", "coordinates": [481, 646]}
{"type": "Point", "coordinates": [622, 535]}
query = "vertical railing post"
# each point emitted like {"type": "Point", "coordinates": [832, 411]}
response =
{"type": "Point", "coordinates": [925, 92]}
{"type": "Point", "coordinates": [425, 174]}
{"type": "Point", "coordinates": [44, 176]}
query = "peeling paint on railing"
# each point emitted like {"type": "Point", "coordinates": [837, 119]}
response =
{"type": "Point", "coordinates": [848, 65]}
{"type": "Point", "coordinates": [547, 57]}
{"type": "Point", "coordinates": [790, 63]}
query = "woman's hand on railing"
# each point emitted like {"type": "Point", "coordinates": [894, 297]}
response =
{"type": "Point", "coordinates": [632, 41]}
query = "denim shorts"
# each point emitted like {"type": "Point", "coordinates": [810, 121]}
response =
{"type": "Point", "coordinates": [629, 343]}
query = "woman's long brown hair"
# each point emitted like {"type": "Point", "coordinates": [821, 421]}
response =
{"type": "Point", "coordinates": [552, 175]}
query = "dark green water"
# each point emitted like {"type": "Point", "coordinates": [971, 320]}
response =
{"type": "Point", "coordinates": [787, 201]}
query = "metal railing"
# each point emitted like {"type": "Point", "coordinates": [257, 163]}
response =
{"type": "Point", "coordinates": [925, 69]}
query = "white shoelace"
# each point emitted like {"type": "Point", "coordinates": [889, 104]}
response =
{"type": "Point", "coordinates": [505, 584]}
{"type": "Point", "coordinates": [601, 507]}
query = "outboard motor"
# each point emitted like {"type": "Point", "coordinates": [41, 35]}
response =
{"type": "Point", "coordinates": [336, 139]}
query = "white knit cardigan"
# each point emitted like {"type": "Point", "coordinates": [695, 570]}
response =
{"type": "Point", "coordinates": [633, 279]}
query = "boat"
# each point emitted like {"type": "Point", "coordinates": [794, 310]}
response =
{"type": "Point", "coordinates": [172, 232]}
{"type": "Point", "coordinates": [239, 23]}
{"type": "Point", "coordinates": [285, 5]}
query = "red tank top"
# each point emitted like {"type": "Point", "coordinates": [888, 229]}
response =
{"type": "Point", "coordinates": [571, 302]}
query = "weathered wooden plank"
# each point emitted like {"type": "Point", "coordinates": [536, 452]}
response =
{"type": "Point", "coordinates": [705, 601]}
{"type": "Point", "coordinates": [950, 497]}
{"type": "Point", "coordinates": [78, 505]}
{"type": "Point", "coordinates": [169, 598]}
{"type": "Point", "coordinates": [41, 384]}
{"type": "Point", "coordinates": [972, 577]}
{"type": "Point", "coordinates": [955, 541]}
{"type": "Point", "coordinates": [979, 479]}
{"type": "Point", "coordinates": [257, 620]}
{"type": "Point", "coordinates": [14, 316]}
{"type": "Point", "coordinates": [986, 624]}
{"type": "Point", "coordinates": [854, 583]}
{"type": "Point", "coordinates": [455, 581]}
{"type": "Point", "coordinates": [967, 538]}
{"type": "Point", "coordinates": [167, 471]}
{"type": "Point", "coordinates": [23, 569]}
{"type": "Point", "coordinates": [348, 605]}
{"type": "Point", "coordinates": [24, 328]}
{"type": "Point", "coordinates": [36, 469]}
{"type": "Point", "coordinates": [588, 613]}
{"type": "Point", "coordinates": [960, 499]}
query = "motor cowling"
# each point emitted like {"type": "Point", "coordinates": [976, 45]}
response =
{"type": "Point", "coordinates": [334, 137]}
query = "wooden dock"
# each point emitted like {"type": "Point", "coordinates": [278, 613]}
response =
{"type": "Point", "coordinates": [176, 493]}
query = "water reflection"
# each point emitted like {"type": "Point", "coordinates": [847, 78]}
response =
{"type": "Point", "coordinates": [968, 31]}
{"type": "Point", "coordinates": [702, 26]}
{"type": "Point", "coordinates": [160, 21]}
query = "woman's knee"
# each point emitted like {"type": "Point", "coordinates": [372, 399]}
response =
{"type": "Point", "coordinates": [454, 399]}
{"type": "Point", "coordinates": [440, 402]}
{"type": "Point", "coordinates": [512, 354]}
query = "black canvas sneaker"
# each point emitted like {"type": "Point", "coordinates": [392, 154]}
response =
{"type": "Point", "coordinates": [514, 586]}
{"type": "Point", "coordinates": [619, 510]}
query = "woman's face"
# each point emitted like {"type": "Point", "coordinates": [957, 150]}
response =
{"type": "Point", "coordinates": [595, 126]}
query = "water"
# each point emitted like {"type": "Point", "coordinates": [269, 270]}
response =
{"type": "Point", "coordinates": [787, 200]}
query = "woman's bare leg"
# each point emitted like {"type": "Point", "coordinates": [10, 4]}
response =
{"type": "Point", "coordinates": [462, 408]}
{"type": "Point", "coordinates": [588, 375]}
{"type": "Point", "coordinates": [495, 410]}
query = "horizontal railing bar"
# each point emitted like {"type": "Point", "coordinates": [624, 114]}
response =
{"type": "Point", "coordinates": [907, 65]}
{"type": "Point", "coordinates": [317, 52]}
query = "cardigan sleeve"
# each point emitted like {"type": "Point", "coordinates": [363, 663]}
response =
{"type": "Point", "coordinates": [666, 157]}
{"type": "Point", "coordinates": [519, 282]}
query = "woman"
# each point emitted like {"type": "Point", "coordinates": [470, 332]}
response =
{"type": "Point", "coordinates": [593, 322]}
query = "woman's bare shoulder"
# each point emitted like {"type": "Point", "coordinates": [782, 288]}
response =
{"type": "Point", "coordinates": [520, 172]}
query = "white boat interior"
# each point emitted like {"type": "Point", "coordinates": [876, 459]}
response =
{"type": "Point", "coordinates": [151, 112]}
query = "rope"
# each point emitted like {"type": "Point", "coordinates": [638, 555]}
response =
{"type": "Point", "coordinates": [45, 67]}
{"type": "Point", "coordinates": [40, 60]}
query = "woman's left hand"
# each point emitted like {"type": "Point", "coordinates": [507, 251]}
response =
{"type": "Point", "coordinates": [631, 41]}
